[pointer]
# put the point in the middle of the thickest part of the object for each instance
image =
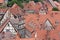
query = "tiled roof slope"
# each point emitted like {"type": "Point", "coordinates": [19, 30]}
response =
{"type": "Point", "coordinates": [15, 9]}
{"type": "Point", "coordinates": [1, 1]}
{"type": "Point", "coordinates": [33, 6]}
{"type": "Point", "coordinates": [36, 23]}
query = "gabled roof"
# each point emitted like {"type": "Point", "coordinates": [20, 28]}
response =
{"type": "Point", "coordinates": [15, 9]}
{"type": "Point", "coordinates": [29, 6]}
{"type": "Point", "coordinates": [48, 5]}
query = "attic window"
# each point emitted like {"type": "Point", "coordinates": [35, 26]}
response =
{"type": "Point", "coordinates": [0, 4]}
{"type": "Point", "coordinates": [57, 22]}
{"type": "Point", "coordinates": [42, 12]}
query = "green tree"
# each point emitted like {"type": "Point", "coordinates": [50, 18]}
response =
{"type": "Point", "coordinates": [18, 2]}
{"type": "Point", "coordinates": [10, 3]}
{"type": "Point", "coordinates": [38, 0]}
{"type": "Point", "coordinates": [55, 9]}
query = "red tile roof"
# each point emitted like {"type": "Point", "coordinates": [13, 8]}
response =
{"type": "Point", "coordinates": [32, 6]}
{"type": "Point", "coordinates": [15, 9]}
{"type": "Point", "coordinates": [1, 1]}
{"type": "Point", "coordinates": [37, 20]}
{"type": "Point", "coordinates": [4, 10]}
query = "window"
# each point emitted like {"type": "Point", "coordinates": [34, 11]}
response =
{"type": "Point", "coordinates": [57, 22]}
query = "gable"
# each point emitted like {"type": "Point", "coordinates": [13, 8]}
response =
{"type": "Point", "coordinates": [48, 25]}
{"type": "Point", "coordinates": [9, 28]}
{"type": "Point", "coordinates": [5, 16]}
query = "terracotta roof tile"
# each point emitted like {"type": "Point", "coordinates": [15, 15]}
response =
{"type": "Point", "coordinates": [33, 6]}
{"type": "Point", "coordinates": [1, 1]}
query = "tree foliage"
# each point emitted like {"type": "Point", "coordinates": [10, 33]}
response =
{"type": "Point", "coordinates": [19, 2]}
{"type": "Point", "coordinates": [55, 9]}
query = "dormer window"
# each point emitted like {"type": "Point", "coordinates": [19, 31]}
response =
{"type": "Point", "coordinates": [30, 11]}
